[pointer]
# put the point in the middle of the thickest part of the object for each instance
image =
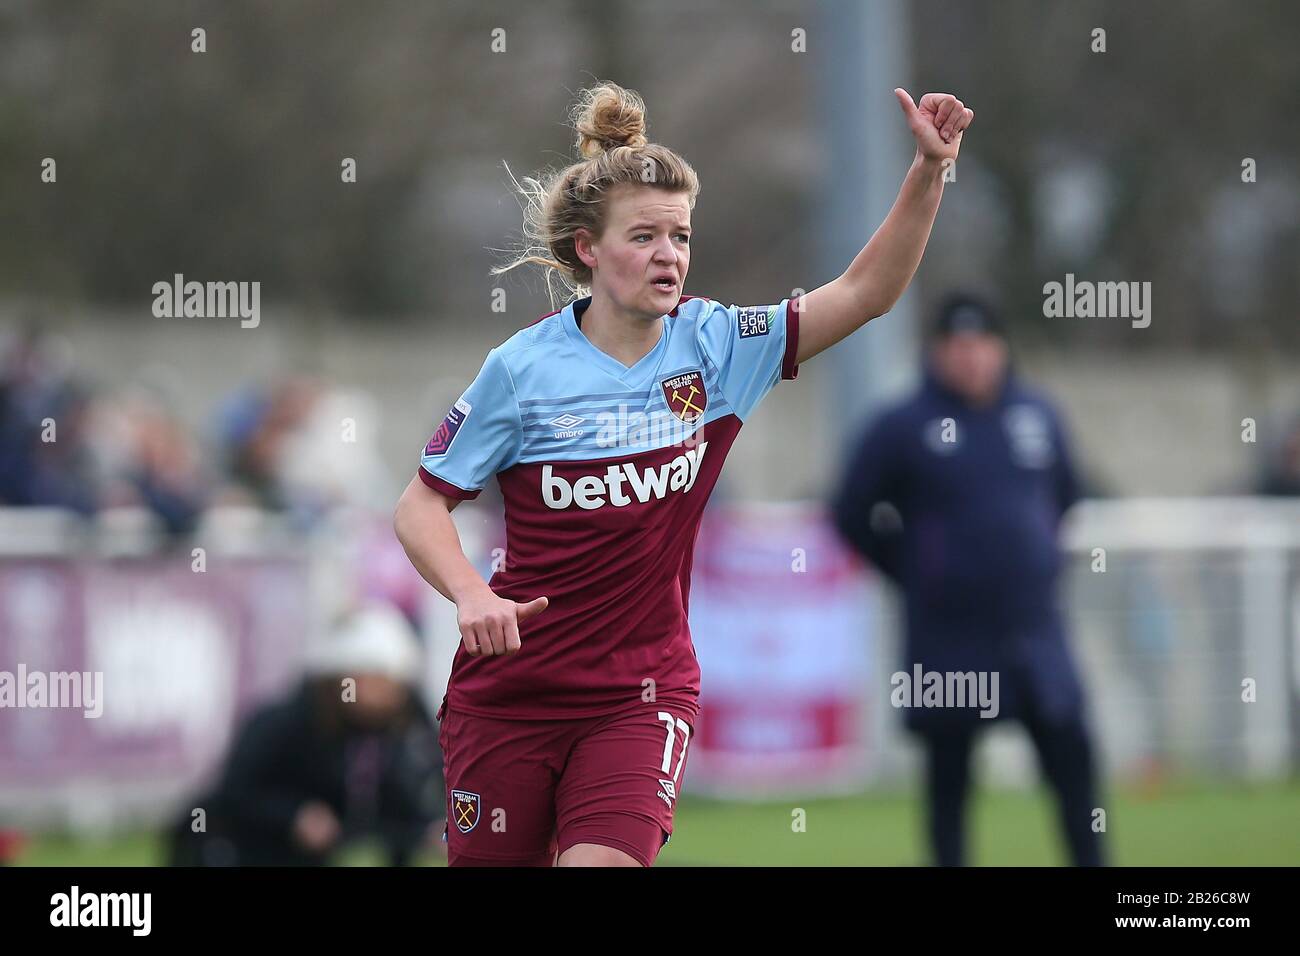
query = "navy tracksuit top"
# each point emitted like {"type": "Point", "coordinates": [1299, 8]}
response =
{"type": "Point", "coordinates": [980, 491]}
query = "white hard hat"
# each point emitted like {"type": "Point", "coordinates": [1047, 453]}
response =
{"type": "Point", "coordinates": [373, 639]}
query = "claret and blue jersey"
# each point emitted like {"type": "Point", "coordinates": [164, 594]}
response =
{"type": "Point", "coordinates": [604, 470]}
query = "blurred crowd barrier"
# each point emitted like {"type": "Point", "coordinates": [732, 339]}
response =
{"type": "Point", "coordinates": [211, 419]}
{"type": "Point", "coordinates": [1186, 613]}
{"type": "Point", "coordinates": [1185, 617]}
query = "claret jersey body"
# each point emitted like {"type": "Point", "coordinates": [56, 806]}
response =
{"type": "Point", "coordinates": [605, 471]}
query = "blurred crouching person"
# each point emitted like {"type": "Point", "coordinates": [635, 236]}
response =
{"type": "Point", "coordinates": [956, 495]}
{"type": "Point", "coordinates": [351, 753]}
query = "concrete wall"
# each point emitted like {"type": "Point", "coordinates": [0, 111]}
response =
{"type": "Point", "coordinates": [1156, 424]}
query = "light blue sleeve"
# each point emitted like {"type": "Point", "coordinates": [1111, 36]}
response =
{"type": "Point", "coordinates": [752, 347]}
{"type": "Point", "coordinates": [480, 436]}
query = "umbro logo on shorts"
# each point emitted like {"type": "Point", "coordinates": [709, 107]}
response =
{"type": "Point", "coordinates": [669, 792]}
{"type": "Point", "coordinates": [465, 809]}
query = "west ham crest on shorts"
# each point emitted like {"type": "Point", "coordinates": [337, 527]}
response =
{"type": "Point", "coordinates": [685, 395]}
{"type": "Point", "coordinates": [464, 809]}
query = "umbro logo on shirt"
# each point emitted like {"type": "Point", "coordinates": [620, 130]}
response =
{"type": "Point", "coordinates": [596, 491]}
{"type": "Point", "coordinates": [568, 426]}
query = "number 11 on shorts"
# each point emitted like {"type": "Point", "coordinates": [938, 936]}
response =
{"type": "Point", "coordinates": [674, 723]}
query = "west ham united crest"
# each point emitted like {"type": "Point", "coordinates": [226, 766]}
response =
{"type": "Point", "coordinates": [685, 395]}
{"type": "Point", "coordinates": [464, 809]}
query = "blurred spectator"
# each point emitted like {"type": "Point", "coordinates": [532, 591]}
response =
{"type": "Point", "coordinates": [44, 457]}
{"type": "Point", "coordinates": [956, 495]}
{"type": "Point", "coordinates": [327, 765]}
{"type": "Point", "coordinates": [296, 447]}
{"type": "Point", "coordinates": [62, 448]}
{"type": "Point", "coordinates": [150, 460]}
{"type": "Point", "coordinates": [304, 449]}
{"type": "Point", "coordinates": [1149, 634]}
{"type": "Point", "coordinates": [1281, 473]}
{"type": "Point", "coordinates": [255, 428]}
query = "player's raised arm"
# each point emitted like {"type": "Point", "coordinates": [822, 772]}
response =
{"type": "Point", "coordinates": [877, 276]}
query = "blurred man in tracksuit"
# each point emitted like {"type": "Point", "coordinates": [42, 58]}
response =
{"type": "Point", "coordinates": [956, 495]}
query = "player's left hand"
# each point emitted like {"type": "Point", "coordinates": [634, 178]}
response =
{"type": "Point", "coordinates": [937, 122]}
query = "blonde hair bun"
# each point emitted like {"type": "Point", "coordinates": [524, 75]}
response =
{"type": "Point", "coordinates": [559, 203]}
{"type": "Point", "coordinates": [606, 117]}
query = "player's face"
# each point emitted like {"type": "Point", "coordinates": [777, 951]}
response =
{"type": "Point", "coordinates": [972, 364]}
{"type": "Point", "coordinates": [641, 259]}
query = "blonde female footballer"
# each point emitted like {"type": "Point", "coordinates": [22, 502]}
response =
{"type": "Point", "coordinates": [574, 693]}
